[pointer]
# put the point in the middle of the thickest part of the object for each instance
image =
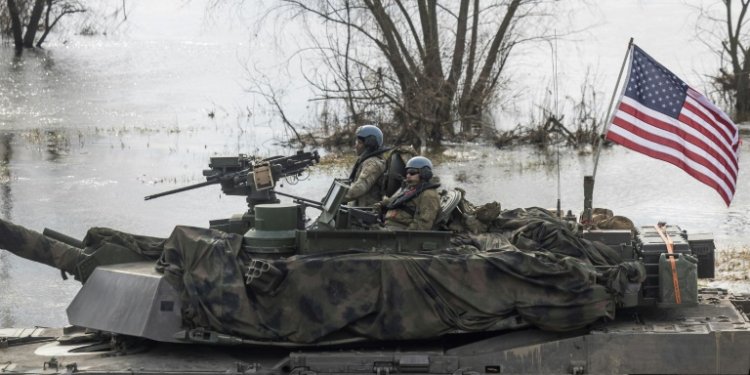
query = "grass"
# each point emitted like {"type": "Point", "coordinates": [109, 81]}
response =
{"type": "Point", "coordinates": [733, 264]}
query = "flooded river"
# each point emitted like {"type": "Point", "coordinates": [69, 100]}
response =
{"type": "Point", "coordinates": [88, 128]}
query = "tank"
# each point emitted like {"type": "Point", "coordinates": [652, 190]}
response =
{"type": "Point", "coordinates": [269, 291]}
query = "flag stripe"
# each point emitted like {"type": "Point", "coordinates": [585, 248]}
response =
{"type": "Point", "coordinates": [677, 149]}
{"type": "Point", "coordinates": [628, 142]}
{"type": "Point", "coordinates": [722, 153]}
{"type": "Point", "coordinates": [728, 127]}
{"type": "Point", "coordinates": [708, 124]}
{"type": "Point", "coordinates": [681, 134]}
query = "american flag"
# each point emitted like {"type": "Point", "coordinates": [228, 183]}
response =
{"type": "Point", "coordinates": [661, 116]}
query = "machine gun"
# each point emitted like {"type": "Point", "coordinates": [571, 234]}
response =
{"type": "Point", "coordinates": [252, 177]}
{"type": "Point", "coordinates": [334, 214]}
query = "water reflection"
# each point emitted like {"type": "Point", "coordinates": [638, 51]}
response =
{"type": "Point", "coordinates": [6, 318]}
{"type": "Point", "coordinates": [58, 144]}
{"type": "Point", "coordinates": [17, 63]}
{"type": "Point", "coordinates": [6, 154]}
{"type": "Point", "coordinates": [45, 55]}
{"type": "Point", "coordinates": [6, 209]}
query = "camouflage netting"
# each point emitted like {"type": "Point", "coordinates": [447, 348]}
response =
{"type": "Point", "coordinates": [532, 265]}
{"type": "Point", "coordinates": [542, 271]}
{"type": "Point", "coordinates": [34, 246]}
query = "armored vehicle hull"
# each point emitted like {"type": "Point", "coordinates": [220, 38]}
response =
{"type": "Point", "coordinates": [710, 337]}
{"type": "Point", "coordinates": [126, 318]}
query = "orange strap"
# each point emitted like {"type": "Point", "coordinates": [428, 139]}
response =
{"type": "Point", "coordinates": [670, 250]}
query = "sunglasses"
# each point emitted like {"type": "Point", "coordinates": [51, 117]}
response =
{"type": "Point", "coordinates": [412, 172]}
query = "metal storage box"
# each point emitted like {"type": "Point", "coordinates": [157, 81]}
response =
{"type": "Point", "coordinates": [620, 240]}
{"type": "Point", "coordinates": [703, 248]}
{"type": "Point", "coordinates": [651, 246]}
{"type": "Point", "coordinates": [611, 237]}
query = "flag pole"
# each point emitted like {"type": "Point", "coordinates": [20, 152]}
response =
{"type": "Point", "coordinates": [588, 181]}
{"type": "Point", "coordinates": [609, 109]}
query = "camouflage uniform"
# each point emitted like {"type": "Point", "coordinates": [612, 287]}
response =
{"type": "Point", "coordinates": [418, 213]}
{"type": "Point", "coordinates": [365, 188]}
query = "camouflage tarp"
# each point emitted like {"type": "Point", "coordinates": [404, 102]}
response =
{"type": "Point", "coordinates": [536, 267]}
{"type": "Point", "coordinates": [545, 274]}
{"type": "Point", "coordinates": [35, 246]}
{"type": "Point", "coordinates": [146, 246]}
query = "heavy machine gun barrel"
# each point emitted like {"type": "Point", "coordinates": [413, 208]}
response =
{"type": "Point", "coordinates": [307, 202]}
{"type": "Point", "coordinates": [64, 238]}
{"type": "Point", "coordinates": [181, 189]}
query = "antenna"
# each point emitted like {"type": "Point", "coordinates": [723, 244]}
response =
{"type": "Point", "coordinates": [553, 46]}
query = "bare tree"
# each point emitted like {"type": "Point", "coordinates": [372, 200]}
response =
{"type": "Point", "coordinates": [64, 7]}
{"type": "Point", "coordinates": [33, 25]}
{"type": "Point", "coordinates": [27, 15]}
{"type": "Point", "coordinates": [733, 78]}
{"type": "Point", "coordinates": [14, 14]}
{"type": "Point", "coordinates": [436, 64]}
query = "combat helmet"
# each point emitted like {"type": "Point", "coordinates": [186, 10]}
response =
{"type": "Point", "coordinates": [424, 166]}
{"type": "Point", "coordinates": [371, 136]}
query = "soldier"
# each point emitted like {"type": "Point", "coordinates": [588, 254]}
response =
{"type": "Point", "coordinates": [369, 168]}
{"type": "Point", "coordinates": [417, 204]}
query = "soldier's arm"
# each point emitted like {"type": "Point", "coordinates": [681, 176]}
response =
{"type": "Point", "coordinates": [386, 201]}
{"type": "Point", "coordinates": [428, 208]}
{"type": "Point", "coordinates": [372, 169]}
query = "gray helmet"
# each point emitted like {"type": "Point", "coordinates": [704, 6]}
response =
{"type": "Point", "coordinates": [371, 136]}
{"type": "Point", "coordinates": [423, 164]}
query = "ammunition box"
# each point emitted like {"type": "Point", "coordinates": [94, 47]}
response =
{"type": "Point", "coordinates": [627, 251]}
{"type": "Point", "coordinates": [651, 242]}
{"type": "Point", "coordinates": [651, 246]}
{"type": "Point", "coordinates": [224, 161]}
{"type": "Point", "coordinates": [702, 245]}
{"type": "Point", "coordinates": [620, 240]}
{"type": "Point", "coordinates": [611, 237]}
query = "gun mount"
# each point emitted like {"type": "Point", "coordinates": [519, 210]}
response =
{"type": "Point", "coordinates": [252, 177]}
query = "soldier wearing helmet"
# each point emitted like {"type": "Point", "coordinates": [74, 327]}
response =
{"type": "Point", "coordinates": [417, 204]}
{"type": "Point", "coordinates": [369, 168]}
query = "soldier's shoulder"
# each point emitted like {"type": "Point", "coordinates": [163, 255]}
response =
{"type": "Point", "coordinates": [431, 193]}
{"type": "Point", "coordinates": [374, 163]}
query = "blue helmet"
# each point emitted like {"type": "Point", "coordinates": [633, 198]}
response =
{"type": "Point", "coordinates": [371, 136]}
{"type": "Point", "coordinates": [423, 164]}
{"type": "Point", "coordinates": [419, 162]}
